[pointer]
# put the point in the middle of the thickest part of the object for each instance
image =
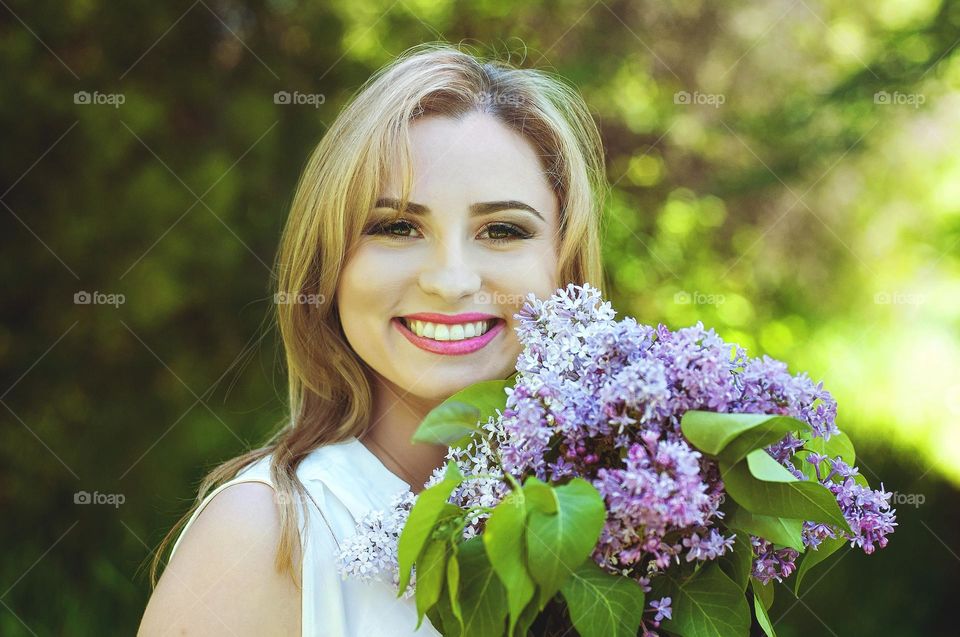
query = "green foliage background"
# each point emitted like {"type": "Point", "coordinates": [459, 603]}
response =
{"type": "Point", "coordinates": [813, 215]}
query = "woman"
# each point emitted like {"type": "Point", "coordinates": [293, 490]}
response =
{"type": "Point", "coordinates": [447, 190]}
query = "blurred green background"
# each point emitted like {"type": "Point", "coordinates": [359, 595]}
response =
{"type": "Point", "coordinates": [785, 171]}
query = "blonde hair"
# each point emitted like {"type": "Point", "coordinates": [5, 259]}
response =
{"type": "Point", "coordinates": [329, 393]}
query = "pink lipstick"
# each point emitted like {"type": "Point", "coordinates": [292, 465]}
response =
{"type": "Point", "coordinates": [463, 346]}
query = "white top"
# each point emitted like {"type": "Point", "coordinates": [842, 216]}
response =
{"type": "Point", "coordinates": [344, 481]}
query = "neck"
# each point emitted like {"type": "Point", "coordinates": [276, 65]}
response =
{"type": "Point", "coordinates": [394, 419]}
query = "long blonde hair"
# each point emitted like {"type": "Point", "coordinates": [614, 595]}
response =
{"type": "Point", "coordinates": [329, 393]}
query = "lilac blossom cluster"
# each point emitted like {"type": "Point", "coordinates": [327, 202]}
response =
{"type": "Point", "coordinates": [602, 400]}
{"type": "Point", "coordinates": [371, 554]}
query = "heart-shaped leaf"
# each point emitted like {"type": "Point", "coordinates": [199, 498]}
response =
{"type": "Point", "coordinates": [454, 420]}
{"type": "Point", "coordinates": [709, 604]}
{"type": "Point", "coordinates": [738, 562]}
{"type": "Point", "coordinates": [761, 485]}
{"type": "Point", "coordinates": [559, 541]}
{"type": "Point", "coordinates": [711, 432]}
{"type": "Point", "coordinates": [601, 604]}
{"type": "Point", "coordinates": [483, 600]}
{"type": "Point", "coordinates": [782, 531]}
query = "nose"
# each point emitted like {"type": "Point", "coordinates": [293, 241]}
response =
{"type": "Point", "coordinates": [449, 273]}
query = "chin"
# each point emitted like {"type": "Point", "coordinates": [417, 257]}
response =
{"type": "Point", "coordinates": [440, 386]}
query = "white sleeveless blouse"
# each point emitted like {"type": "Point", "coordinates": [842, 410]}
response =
{"type": "Point", "coordinates": [344, 481]}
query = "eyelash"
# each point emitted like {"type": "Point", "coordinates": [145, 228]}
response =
{"type": "Point", "coordinates": [514, 231]}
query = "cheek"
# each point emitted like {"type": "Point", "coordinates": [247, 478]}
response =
{"type": "Point", "coordinates": [356, 290]}
{"type": "Point", "coordinates": [535, 270]}
{"type": "Point", "coordinates": [371, 284]}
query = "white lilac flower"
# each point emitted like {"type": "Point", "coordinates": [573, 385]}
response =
{"type": "Point", "coordinates": [371, 554]}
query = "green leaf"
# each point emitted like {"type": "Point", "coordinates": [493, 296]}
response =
{"type": "Point", "coordinates": [449, 624]}
{"type": "Point", "coordinates": [838, 445]}
{"type": "Point", "coordinates": [801, 499]}
{"type": "Point", "coordinates": [782, 531]}
{"type": "Point", "coordinates": [448, 423]}
{"type": "Point", "coordinates": [539, 495]}
{"type": "Point", "coordinates": [711, 432]}
{"type": "Point", "coordinates": [762, 617]}
{"type": "Point", "coordinates": [436, 620]}
{"type": "Point", "coordinates": [430, 508]}
{"type": "Point", "coordinates": [558, 542]}
{"type": "Point", "coordinates": [813, 557]}
{"type": "Point", "coordinates": [764, 435]}
{"type": "Point", "coordinates": [527, 617]}
{"type": "Point", "coordinates": [709, 604]}
{"type": "Point", "coordinates": [763, 592]}
{"type": "Point", "coordinates": [453, 586]}
{"type": "Point", "coordinates": [603, 605]}
{"type": "Point", "coordinates": [504, 540]}
{"type": "Point", "coordinates": [764, 467]}
{"type": "Point", "coordinates": [482, 597]}
{"type": "Point", "coordinates": [456, 418]}
{"type": "Point", "coordinates": [806, 468]}
{"type": "Point", "coordinates": [737, 563]}
{"type": "Point", "coordinates": [445, 614]}
{"type": "Point", "coordinates": [431, 572]}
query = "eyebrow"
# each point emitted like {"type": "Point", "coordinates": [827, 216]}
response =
{"type": "Point", "coordinates": [476, 210]}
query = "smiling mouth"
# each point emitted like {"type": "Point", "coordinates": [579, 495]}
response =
{"type": "Point", "coordinates": [449, 332]}
{"type": "Point", "coordinates": [449, 338]}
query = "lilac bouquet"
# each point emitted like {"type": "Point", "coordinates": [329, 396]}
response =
{"type": "Point", "coordinates": [626, 480]}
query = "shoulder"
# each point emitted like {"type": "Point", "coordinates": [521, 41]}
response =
{"type": "Point", "coordinates": [222, 578]}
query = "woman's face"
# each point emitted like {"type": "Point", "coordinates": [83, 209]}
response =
{"type": "Point", "coordinates": [427, 299]}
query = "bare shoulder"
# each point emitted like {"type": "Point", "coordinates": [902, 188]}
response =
{"type": "Point", "coordinates": [222, 579]}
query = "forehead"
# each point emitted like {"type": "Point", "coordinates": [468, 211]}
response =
{"type": "Point", "coordinates": [476, 158]}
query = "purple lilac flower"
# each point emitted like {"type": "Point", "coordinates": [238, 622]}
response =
{"type": "Point", "coordinates": [662, 607]}
{"type": "Point", "coordinates": [771, 564]}
{"type": "Point", "coordinates": [659, 490]}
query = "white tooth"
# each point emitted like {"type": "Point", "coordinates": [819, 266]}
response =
{"type": "Point", "coordinates": [456, 332]}
{"type": "Point", "coordinates": [441, 333]}
{"type": "Point", "coordinates": [469, 330]}
{"type": "Point", "coordinates": [418, 328]}
{"type": "Point", "coordinates": [427, 330]}
{"type": "Point", "coordinates": [481, 327]}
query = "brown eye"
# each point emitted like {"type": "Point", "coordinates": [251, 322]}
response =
{"type": "Point", "coordinates": [503, 232]}
{"type": "Point", "coordinates": [399, 229]}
